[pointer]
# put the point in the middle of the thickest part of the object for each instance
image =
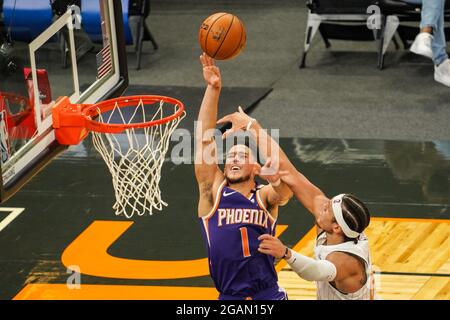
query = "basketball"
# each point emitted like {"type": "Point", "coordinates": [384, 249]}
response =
{"type": "Point", "coordinates": [222, 36]}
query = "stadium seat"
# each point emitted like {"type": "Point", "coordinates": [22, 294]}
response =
{"type": "Point", "coordinates": [337, 19]}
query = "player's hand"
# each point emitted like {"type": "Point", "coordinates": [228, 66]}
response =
{"type": "Point", "coordinates": [211, 72]}
{"type": "Point", "coordinates": [239, 121]}
{"type": "Point", "coordinates": [271, 171]}
{"type": "Point", "coordinates": [271, 246]}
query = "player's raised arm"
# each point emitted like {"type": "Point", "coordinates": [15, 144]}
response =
{"type": "Point", "coordinates": [306, 192]}
{"type": "Point", "coordinates": [277, 193]}
{"type": "Point", "coordinates": [207, 171]}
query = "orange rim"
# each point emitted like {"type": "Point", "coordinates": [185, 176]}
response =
{"type": "Point", "coordinates": [90, 111]}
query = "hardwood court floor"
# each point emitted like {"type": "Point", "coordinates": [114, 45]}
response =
{"type": "Point", "coordinates": [411, 258]}
{"type": "Point", "coordinates": [63, 220]}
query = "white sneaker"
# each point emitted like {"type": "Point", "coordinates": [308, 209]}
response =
{"type": "Point", "coordinates": [442, 73]}
{"type": "Point", "coordinates": [422, 45]}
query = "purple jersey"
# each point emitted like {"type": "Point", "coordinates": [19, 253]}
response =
{"type": "Point", "coordinates": [231, 232]}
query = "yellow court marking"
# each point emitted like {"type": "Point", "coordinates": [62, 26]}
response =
{"type": "Point", "coordinates": [89, 253]}
{"type": "Point", "coordinates": [280, 229]}
{"type": "Point", "coordinates": [114, 292]}
{"type": "Point", "coordinates": [419, 246]}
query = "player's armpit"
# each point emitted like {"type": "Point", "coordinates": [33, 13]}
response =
{"type": "Point", "coordinates": [349, 269]}
{"type": "Point", "coordinates": [207, 194]}
{"type": "Point", "coordinates": [347, 265]}
{"type": "Point", "coordinates": [206, 201]}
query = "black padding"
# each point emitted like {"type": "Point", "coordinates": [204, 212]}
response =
{"type": "Point", "coordinates": [340, 6]}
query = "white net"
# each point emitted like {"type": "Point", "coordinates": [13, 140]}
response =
{"type": "Point", "coordinates": [135, 156]}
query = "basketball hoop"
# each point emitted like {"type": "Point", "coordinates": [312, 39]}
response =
{"type": "Point", "coordinates": [132, 135]}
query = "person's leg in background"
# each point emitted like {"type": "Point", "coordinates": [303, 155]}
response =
{"type": "Point", "coordinates": [422, 43]}
{"type": "Point", "coordinates": [433, 16]}
{"type": "Point", "coordinates": [433, 23]}
{"type": "Point", "coordinates": [431, 42]}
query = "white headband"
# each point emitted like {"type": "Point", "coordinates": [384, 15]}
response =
{"type": "Point", "coordinates": [337, 210]}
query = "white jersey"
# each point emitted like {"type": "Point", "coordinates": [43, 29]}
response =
{"type": "Point", "coordinates": [325, 291]}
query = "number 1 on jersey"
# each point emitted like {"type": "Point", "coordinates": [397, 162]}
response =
{"type": "Point", "coordinates": [245, 245]}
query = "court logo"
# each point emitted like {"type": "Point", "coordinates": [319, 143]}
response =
{"type": "Point", "coordinates": [217, 35]}
{"type": "Point", "coordinates": [74, 280]}
{"type": "Point", "coordinates": [374, 20]}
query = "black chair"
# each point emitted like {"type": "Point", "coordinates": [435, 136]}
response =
{"type": "Point", "coordinates": [337, 19]}
{"type": "Point", "coordinates": [393, 12]}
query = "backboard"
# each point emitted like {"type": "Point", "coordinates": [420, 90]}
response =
{"type": "Point", "coordinates": [80, 54]}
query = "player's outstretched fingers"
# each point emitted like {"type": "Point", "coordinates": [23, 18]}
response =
{"type": "Point", "coordinates": [265, 236]}
{"type": "Point", "coordinates": [209, 60]}
{"type": "Point", "coordinates": [266, 169]}
{"type": "Point", "coordinates": [227, 133]}
{"type": "Point", "coordinates": [225, 119]}
{"type": "Point", "coordinates": [206, 60]}
{"type": "Point", "coordinates": [257, 168]}
{"type": "Point", "coordinates": [264, 245]}
{"type": "Point", "coordinates": [265, 251]}
{"type": "Point", "coordinates": [268, 162]}
{"type": "Point", "coordinates": [202, 59]}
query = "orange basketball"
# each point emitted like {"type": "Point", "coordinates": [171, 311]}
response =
{"type": "Point", "coordinates": [222, 36]}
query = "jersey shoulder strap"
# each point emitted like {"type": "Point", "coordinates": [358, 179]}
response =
{"type": "Point", "coordinates": [360, 249]}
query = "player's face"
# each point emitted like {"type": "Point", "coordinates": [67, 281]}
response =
{"type": "Point", "coordinates": [326, 220]}
{"type": "Point", "coordinates": [239, 165]}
